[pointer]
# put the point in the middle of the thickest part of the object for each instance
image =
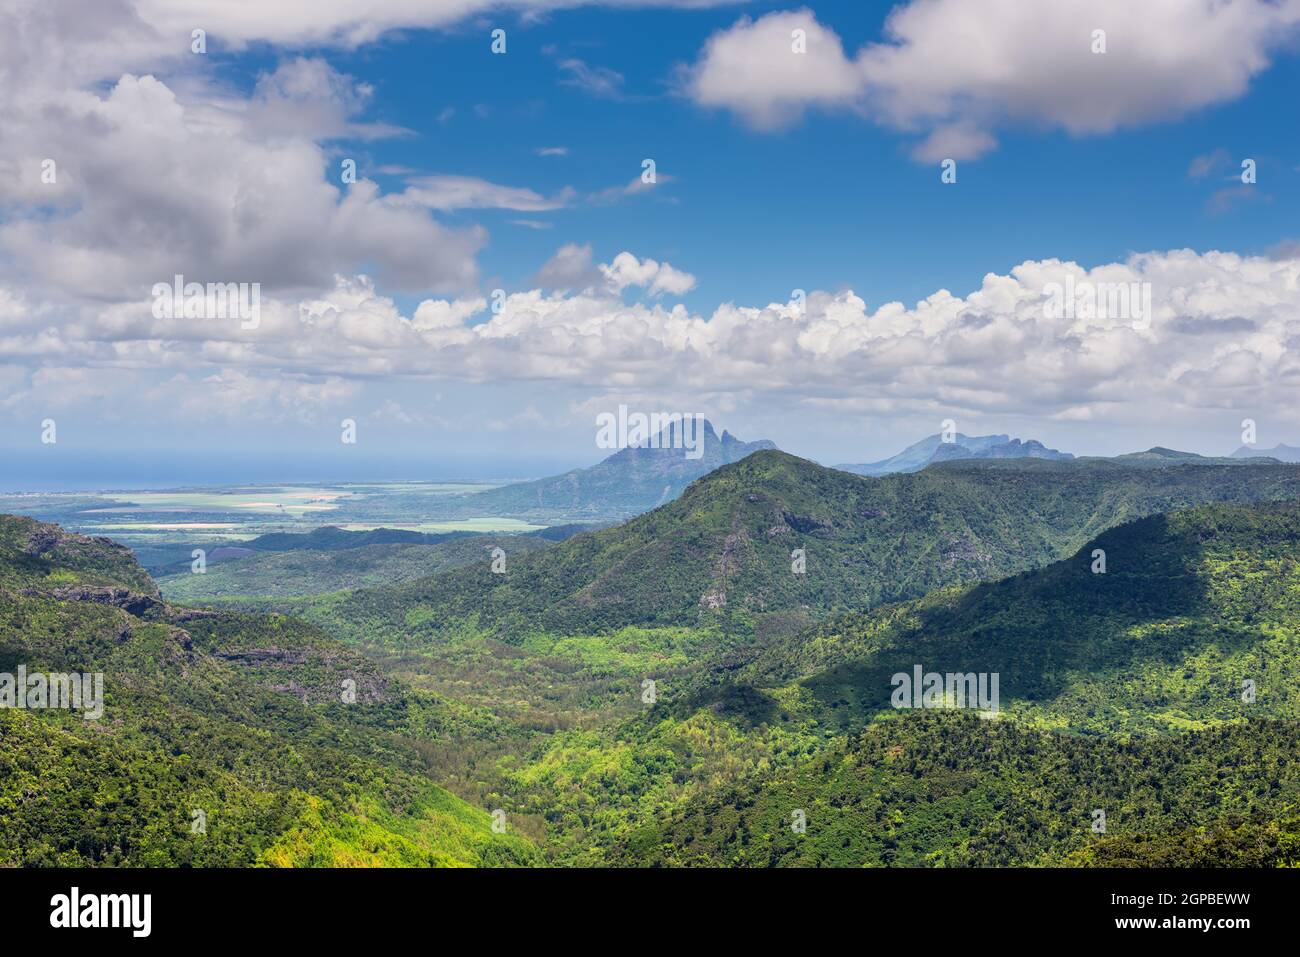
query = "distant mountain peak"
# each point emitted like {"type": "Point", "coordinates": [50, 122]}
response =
{"type": "Point", "coordinates": [1159, 456]}
{"type": "Point", "coordinates": [1281, 452]}
{"type": "Point", "coordinates": [698, 442]}
{"type": "Point", "coordinates": [933, 449]}
{"type": "Point", "coordinates": [633, 479]}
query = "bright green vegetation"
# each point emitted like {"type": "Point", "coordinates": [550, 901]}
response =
{"type": "Point", "coordinates": [239, 717]}
{"type": "Point", "coordinates": [953, 790]}
{"type": "Point", "coordinates": [36, 555]}
{"type": "Point", "coordinates": [1191, 604]}
{"type": "Point", "coordinates": [618, 718]}
{"type": "Point", "coordinates": [1145, 660]}
{"type": "Point", "coordinates": [1120, 691]}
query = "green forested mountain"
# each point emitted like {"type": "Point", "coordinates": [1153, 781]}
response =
{"type": "Point", "coordinates": [33, 554]}
{"type": "Point", "coordinates": [1190, 605]}
{"type": "Point", "coordinates": [1120, 691]}
{"type": "Point", "coordinates": [724, 551]}
{"type": "Point", "coordinates": [695, 743]}
{"type": "Point", "coordinates": [238, 722]}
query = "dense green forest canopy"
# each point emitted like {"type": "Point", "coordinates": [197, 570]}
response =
{"type": "Point", "coordinates": [596, 695]}
{"type": "Point", "coordinates": [236, 721]}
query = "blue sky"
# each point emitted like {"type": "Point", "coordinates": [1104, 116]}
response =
{"type": "Point", "coordinates": [743, 205]}
{"type": "Point", "coordinates": [818, 173]}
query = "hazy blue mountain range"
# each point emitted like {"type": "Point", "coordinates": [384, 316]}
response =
{"type": "Point", "coordinates": [1160, 457]}
{"type": "Point", "coordinates": [933, 449]}
{"type": "Point", "coordinates": [1283, 453]}
{"type": "Point", "coordinates": [632, 480]}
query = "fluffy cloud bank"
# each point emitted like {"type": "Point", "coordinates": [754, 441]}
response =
{"type": "Point", "coordinates": [162, 170]}
{"type": "Point", "coordinates": [572, 268]}
{"type": "Point", "coordinates": [1223, 334]}
{"type": "Point", "coordinates": [107, 192]}
{"type": "Point", "coordinates": [951, 70]}
{"type": "Point", "coordinates": [126, 158]}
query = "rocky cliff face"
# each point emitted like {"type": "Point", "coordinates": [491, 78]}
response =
{"type": "Point", "coordinates": [35, 554]}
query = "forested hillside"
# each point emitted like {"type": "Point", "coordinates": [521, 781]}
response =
{"type": "Point", "coordinates": [725, 551]}
{"type": "Point", "coordinates": [1189, 606]}
{"type": "Point", "coordinates": [954, 790]}
{"type": "Point", "coordinates": [236, 721]}
{"type": "Point", "coordinates": [1121, 691]}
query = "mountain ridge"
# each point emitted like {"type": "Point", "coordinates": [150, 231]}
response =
{"type": "Point", "coordinates": [725, 547]}
{"type": "Point", "coordinates": [633, 479]}
{"type": "Point", "coordinates": [1120, 690]}
{"type": "Point", "coordinates": [934, 448]}
{"type": "Point", "coordinates": [224, 740]}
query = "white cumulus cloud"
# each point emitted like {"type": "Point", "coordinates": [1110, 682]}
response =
{"type": "Point", "coordinates": [1223, 335]}
{"type": "Point", "coordinates": [956, 70]}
